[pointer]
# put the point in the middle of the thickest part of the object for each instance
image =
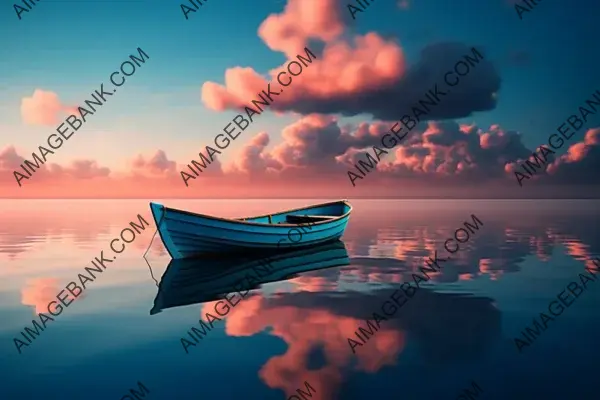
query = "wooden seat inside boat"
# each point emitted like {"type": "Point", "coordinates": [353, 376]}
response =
{"type": "Point", "coordinates": [297, 219]}
{"type": "Point", "coordinates": [304, 219]}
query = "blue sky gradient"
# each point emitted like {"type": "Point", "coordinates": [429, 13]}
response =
{"type": "Point", "coordinates": [547, 62]}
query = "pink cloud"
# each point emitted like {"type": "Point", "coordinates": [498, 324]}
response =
{"type": "Point", "coordinates": [253, 158]}
{"type": "Point", "coordinates": [351, 74]}
{"type": "Point", "coordinates": [312, 140]}
{"type": "Point", "coordinates": [42, 108]}
{"type": "Point", "coordinates": [9, 159]}
{"type": "Point", "coordinates": [453, 150]}
{"type": "Point", "coordinates": [579, 154]}
{"type": "Point", "coordinates": [576, 166]}
{"type": "Point", "coordinates": [363, 75]}
{"type": "Point", "coordinates": [157, 165]}
{"type": "Point", "coordinates": [301, 20]}
{"type": "Point", "coordinates": [316, 153]}
{"type": "Point", "coordinates": [241, 87]}
{"type": "Point", "coordinates": [79, 169]}
{"type": "Point", "coordinates": [342, 69]}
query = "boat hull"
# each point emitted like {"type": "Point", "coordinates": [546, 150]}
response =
{"type": "Point", "coordinates": [188, 235]}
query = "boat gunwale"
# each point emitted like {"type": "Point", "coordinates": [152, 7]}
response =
{"type": "Point", "coordinates": [241, 221]}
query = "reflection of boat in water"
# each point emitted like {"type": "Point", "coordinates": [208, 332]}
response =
{"type": "Point", "coordinates": [209, 278]}
{"type": "Point", "coordinates": [186, 234]}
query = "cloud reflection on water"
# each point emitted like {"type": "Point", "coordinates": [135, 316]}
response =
{"type": "Point", "coordinates": [318, 310]}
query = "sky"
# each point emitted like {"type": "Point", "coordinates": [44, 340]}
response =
{"type": "Point", "coordinates": [538, 68]}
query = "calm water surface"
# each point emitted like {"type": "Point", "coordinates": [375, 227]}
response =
{"type": "Point", "coordinates": [460, 327]}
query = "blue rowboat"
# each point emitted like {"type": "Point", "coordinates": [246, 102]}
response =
{"type": "Point", "coordinates": [208, 278]}
{"type": "Point", "coordinates": [186, 234]}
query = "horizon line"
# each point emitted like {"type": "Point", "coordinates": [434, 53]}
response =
{"type": "Point", "coordinates": [301, 198]}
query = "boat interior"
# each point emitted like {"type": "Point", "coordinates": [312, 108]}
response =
{"type": "Point", "coordinates": [304, 219]}
{"type": "Point", "coordinates": [301, 216]}
{"type": "Point", "coordinates": [291, 219]}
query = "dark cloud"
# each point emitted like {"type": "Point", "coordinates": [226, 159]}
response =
{"type": "Point", "coordinates": [475, 92]}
